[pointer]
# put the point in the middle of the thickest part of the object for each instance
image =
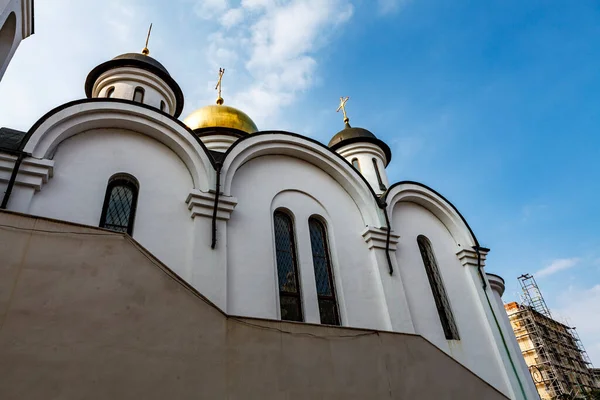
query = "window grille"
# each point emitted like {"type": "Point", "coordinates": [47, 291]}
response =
{"type": "Point", "coordinates": [323, 274]}
{"type": "Point", "coordinates": [118, 211]}
{"type": "Point", "coordinates": [287, 268]}
{"type": "Point", "coordinates": [437, 287]}
{"type": "Point", "coordinates": [138, 95]}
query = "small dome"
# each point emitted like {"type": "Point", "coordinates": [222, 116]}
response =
{"type": "Point", "coordinates": [350, 135]}
{"type": "Point", "coordinates": [221, 116]}
{"type": "Point", "coordinates": [138, 57]}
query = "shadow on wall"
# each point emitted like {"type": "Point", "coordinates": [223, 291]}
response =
{"type": "Point", "coordinates": [91, 314]}
{"type": "Point", "coordinates": [7, 37]}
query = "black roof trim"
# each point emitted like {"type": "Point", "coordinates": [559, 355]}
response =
{"type": "Point", "coordinates": [296, 135]}
{"type": "Point", "coordinates": [378, 142]}
{"type": "Point", "coordinates": [131, 62]}
{"type": "Point", "coordinates": [384, 196]}
{"type": "Point", "coordinates": [219, 130]}
{"type": "Point", "coordinates": [109, 100]}
{"type": "Point", "coordinates": [11, 140]}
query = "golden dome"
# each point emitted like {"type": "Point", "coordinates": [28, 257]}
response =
{"type": "Point", "coordinates": [220, 116]}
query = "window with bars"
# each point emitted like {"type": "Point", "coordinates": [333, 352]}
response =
{"type": "Point", "coordinates": [437, 287]}
{"type": "Point", "coordinates": [118, 211]}
{"type": "Point", "coordinates": [355, 164]}
{"type": "Point", "coordinates": [287, 267]}
{"type": "Point", "coordinates": [323, 273]}
{"type": "Point", "coordinates": [138, 95]}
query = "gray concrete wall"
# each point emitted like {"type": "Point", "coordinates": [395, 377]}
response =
{"type": "Point", "coordinates": [89, 314]}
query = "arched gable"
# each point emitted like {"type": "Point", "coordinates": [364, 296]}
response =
{"type": "Point", "coordinates": [287, 144]}
{"type": "Point", "coordinates": [434, 202]}
{"type": "Point", "coordinates": [82, 115]}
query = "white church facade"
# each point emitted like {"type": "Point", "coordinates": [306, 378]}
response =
{"type": "Point", "coordinates": [264, 224]}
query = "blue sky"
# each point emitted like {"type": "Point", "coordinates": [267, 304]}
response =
{"type": "Point", "coordinates": [492, 103]}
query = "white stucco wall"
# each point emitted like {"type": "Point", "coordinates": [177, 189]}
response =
{"type": "Point", "coordinates": [365, 153]}
{"type": "Point", "coordinates": [267, 183]}
{"type": "Point", "coordinates": [15, 25]}
{"type": "Point", "coordinates": [85, 162]}
{"type": "Point", "coordinates": [475, 348]}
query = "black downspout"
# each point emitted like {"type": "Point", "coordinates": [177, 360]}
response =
{"type": "Point", "coordinates": [11, 182]}
{"type": "Point", "coordinates": [387, 239]}
{"type": "Point", "coordinates": [477, 249]}
{"type": "Point", "coordinates": [216, 206]}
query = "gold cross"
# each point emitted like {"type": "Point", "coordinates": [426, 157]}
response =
{"type": "Point", "coordinates": [145, 50]}
{"type": "Point", "coordinates": [342, 107]}
{"type": "Point", "coordinates": [219, 85]}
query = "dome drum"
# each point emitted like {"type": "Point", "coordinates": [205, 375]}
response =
{"type": "Point", "coordinates": [136, 68]}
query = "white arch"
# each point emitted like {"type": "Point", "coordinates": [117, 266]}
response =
{"type": "Point", "coordinates": [81, 117]}
{"type": "Point", "coordinates": [297, 147]}
{"type": "Point", "coordinates": [437, 205]}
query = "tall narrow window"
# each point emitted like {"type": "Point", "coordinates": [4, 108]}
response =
{"type": "Point", "coordinates": [138, 95]}
{"type": "Point", "coordinates": [118, 212]}
{"type": "Point", "coordinates": [323, 275]}
{"type": "Point", "coordinates": [110, 91]}
{"type": "Point", "coordinates": [287, 268]}
{"type": "Point", "coordinates": [355, 164]}
{"type": "Point", "coordinates": [438, 290]}
{"type": "Point", "coordinates": [163, 106]}
{"type": "Point", "coordinates": [381, 185]}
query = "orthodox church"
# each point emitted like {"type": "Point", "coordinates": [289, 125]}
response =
{"type": "Point", "coordinates": [264, 225]}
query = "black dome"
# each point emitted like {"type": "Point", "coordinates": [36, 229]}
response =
{"type": "Point", "coordinates": [350, 135]}
{"type": "Point", "coordinates": [138, 57]}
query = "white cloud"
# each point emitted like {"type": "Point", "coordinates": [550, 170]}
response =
{"type": "Point", "coordinates": [232, 17]}
{"type": "Point", "coordinates": [580, 308]}
{"type": "Point", "coordinates": [273, 56]}
{"type": "Point", "coordinates": [210, 9]}
{"type": "Point", "coordinates": [557, 265]}
{"type": "Point", "coordinates": [390, 6]}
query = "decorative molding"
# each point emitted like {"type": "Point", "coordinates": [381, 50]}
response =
{"type": "Point", "coordinates": [468, 257]}
{"type": "Point", "coordinates": [377, 237]}
{"type": "Point", "coordinates": [496, 283]}
{"type": "Point", "coordinates": [203, 203]}
{"type": "Point", "coordinates": [33, 172]}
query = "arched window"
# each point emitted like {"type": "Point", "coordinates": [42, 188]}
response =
{"type": "Point", "coordinates": [110, 91]}
{"type": "Point", "coordinates": [323, 274]}
{"type": "Point", "coordinates": [287, 268]}
{"type": "Point", "coordinates": [138, 95]}
{"type": "Point", "coordinates": [163, 106]}
{"type": "Point", "coordinates": [438, 290]}
{"type": "Point", "coordinates": [381, 185]}
{"type": "Point", "coordinates": [118, 211]}
{"type": "Point", "coordinates": [355, 164]}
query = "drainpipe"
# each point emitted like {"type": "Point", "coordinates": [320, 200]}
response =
{"type": "Point", "coordinates": [512, 364]}
{"type": "Point", "coordinates": [11, 182]}
{"type": "Point", "coordinates": [216, 206]}
{"type": "Point", "coordinates": [387, 239]}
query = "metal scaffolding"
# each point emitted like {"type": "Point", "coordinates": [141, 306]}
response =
{"type": "Point", "coordinates": [558, 363]}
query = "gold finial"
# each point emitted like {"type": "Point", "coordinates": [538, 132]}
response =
{"type": "Point", "coordinates": [219, 85]}
{"type": "Point", "coordinates": [342, 107]}
{"type": "Point", "coordinates": [145, 50]}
